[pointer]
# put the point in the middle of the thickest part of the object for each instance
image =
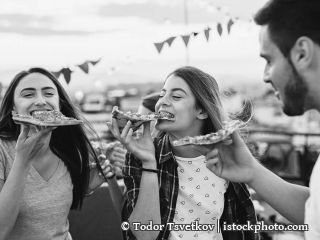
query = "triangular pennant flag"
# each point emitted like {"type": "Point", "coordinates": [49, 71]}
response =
{"type": "Point", "coordinates": [159, 46]}
{"type": "Point", "coordinates": [219, 28]}
{"type": "Point", "coordinates": [195, 34]}
{"type": "Point", "coordinates": [170, 40]}
{"type": "Point", "coordinates": [207, 33]}
{"type": "Point", "coordinates": [84, 67]}
{"type": "Point", "coordinates": [95, 62]}
{"type": "Point", "coordinates": [67, 74]}
{"type": "Point", "coordinates": [56, 74]}
{"type": "Point", "coordinates": [186, 39]}
{"type": "Point", "coordinates": [230, 23]}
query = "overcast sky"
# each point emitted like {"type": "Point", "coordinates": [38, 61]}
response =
{"type": "Point", "coordinates": [64, 33]}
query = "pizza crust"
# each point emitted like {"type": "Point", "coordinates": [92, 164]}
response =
{"type": "Point", "coordinates": [137, 119]}
{"type": "Point", "coordinates": [211, 138]}
{"type": "Point", "coordinates": [45, 118]}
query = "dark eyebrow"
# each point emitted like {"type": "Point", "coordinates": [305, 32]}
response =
{"type": "Point", "coordinates": [48, 88]}
{"type": "Point", "coordinates": [33, 89]}
{"type": "Point", "coordinates": [179, 89]}
{"type": "Point", "coordinates": [28, 89]}
{"type": "Point", "coordinates": [175, 89]}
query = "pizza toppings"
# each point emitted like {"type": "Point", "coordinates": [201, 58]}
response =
{"type": "Point", "coordinates": [138, 119]}
{"type": "Point", "coordinates": [164, 115]}
{"type": "Point", "coordinates": [211, 138]}
{"type": "Point", "coordinates": [45, 118]}
{"type": "Point", "coordinates": [49, 116]}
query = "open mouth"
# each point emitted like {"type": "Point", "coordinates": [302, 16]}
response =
{"type": "Point", "coordinates": [164, 115]}
{"type": "Point", "coordinates": [33, 112]}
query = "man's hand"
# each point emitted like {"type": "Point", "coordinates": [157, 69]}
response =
{"type": "Point", "coordinates": [232, 160]}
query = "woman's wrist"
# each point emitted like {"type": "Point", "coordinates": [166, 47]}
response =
{"type": "Point", "coordinates": [150, 165]}
{"type": "Point", "coordinates": [22, 164]}
{"type": "Point", "coordinates": [151, 170]}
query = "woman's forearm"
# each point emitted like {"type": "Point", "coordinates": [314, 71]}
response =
{"type": "Point", "coordinates": [10, 197]}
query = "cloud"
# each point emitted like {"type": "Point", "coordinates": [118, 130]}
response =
{"type": "Point", "coordinates": [26, 24]}
{"type": "Point", "coordinates": [159, 13]}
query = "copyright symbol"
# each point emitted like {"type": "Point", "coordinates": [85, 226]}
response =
{"type": "Point", "coordinates": [125, 226]}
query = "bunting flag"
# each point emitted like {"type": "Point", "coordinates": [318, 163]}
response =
{"type": "Point", "coordinates": [170, 40]}
{"type": "Point", "coordinates": [159, 46]}
{"type": "Point", "coordinates": [195, 34]}
{"type": "Point", "coordinates": [229, 25]}
{"type": "Point", "coordinates": [219, 29]}
{"type": "Point", "coordinates": [186, 39]}
{"type": "Point", "coordinates": [207, 33]}
{"type": "Point", "coordinates": [95, 62]}
{"type": "Point", "coordinates": [67, 74]}
{"type": "Point", "coordinates": [84, 67]}
{"type": "Point", "coordinates": [56, 74]}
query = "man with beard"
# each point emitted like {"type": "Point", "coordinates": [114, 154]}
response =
{"type": "Point", "coordinates": [290, 44]}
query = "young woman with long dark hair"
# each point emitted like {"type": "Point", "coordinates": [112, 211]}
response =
{"type": "Point", "coordinates": [44, 171]}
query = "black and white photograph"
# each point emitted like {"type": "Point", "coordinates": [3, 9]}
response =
{"type": "Point", "coordinates": [159, 120]}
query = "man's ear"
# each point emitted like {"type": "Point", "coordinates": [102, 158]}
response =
{"type": "Point", "coordinates": [302, 53]}
{"type": "Point", "coordinates": [202, 114]}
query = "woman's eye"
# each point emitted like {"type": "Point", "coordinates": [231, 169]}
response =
{"type": "Point", "coordinates": [27, 95]}
{"type": "Point", "coordinates": [176, 97]}
{"type": "Point", "coordinates": [49, 94]}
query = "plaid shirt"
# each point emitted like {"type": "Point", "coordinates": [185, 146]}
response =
{"type": "Point", "coordinates": [238, 207]}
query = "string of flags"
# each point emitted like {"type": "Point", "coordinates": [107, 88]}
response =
{"type": "Point", "coordinates": [66, 71]}
{"type": "Point", "coordinates": [186, 38]}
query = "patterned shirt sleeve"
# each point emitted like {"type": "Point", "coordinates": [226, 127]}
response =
{"type": "Point", "coordinates": [132, 177]}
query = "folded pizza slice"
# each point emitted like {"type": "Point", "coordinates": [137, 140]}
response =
{"type": "Point", "coordinates": [211, 138]}
{"type": "Point", "coordinates": [52, 118]}
{"type": "Point", "coordinates": [138, 119]}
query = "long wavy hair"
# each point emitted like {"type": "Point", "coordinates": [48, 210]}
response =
{"type": "Point", "coordinates": [70, 143]}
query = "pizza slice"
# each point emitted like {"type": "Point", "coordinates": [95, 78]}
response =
{"type": "Point", "coordinates": [52, 118]}
{"type": "Point", "coordinates": [211, 138]}
{"type": "Point", "coordinates": [138, 119]}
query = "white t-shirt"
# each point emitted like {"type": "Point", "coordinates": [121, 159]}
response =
{"type": "Point", "coordinates": [312, 210]}
{"type": "Point", "coordinates": [200, 198]}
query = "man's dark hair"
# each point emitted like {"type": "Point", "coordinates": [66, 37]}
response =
{"type": "Point", "coordinates": [287, 20]}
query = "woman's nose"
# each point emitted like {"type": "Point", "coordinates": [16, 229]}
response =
{"type": "Point", "coordinates": [163, 101]}
{"type": "Point", "coordinates": [40, 100]}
